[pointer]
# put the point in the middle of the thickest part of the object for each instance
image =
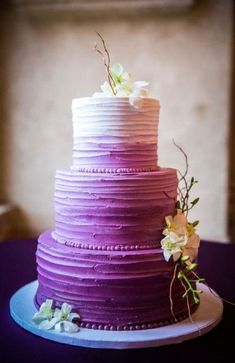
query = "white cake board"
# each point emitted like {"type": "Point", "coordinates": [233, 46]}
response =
{"type": "Point", "coordinates": [206, 317]}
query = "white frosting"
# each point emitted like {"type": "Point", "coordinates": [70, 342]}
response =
{"type": "Point", "coordinates": [108, 132]}
{"type": "Point", "coordinates": [115, 117]}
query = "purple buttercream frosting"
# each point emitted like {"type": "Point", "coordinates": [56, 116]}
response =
{"type": "Point", "coordinates": [111, 210]}
{"type": "Point", "coordinates": [109, 289]}
{"type": "Point", "coordinates": [104, 256]}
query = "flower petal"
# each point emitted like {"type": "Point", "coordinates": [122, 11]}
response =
{"type": "Point", "coordinates": [176, 255]}
{"type": "Point", "coordinates": [117, 69]}
{"type": "Point", "coordinates": [165, 240]}
{"type": "Point", "coordinates": [136, 101]}
{"type": "Point", "coordinates": [140, 84]}
{"type": "Point", "coordinates": [70, 327]}
{"type": "Point", "coordinates": [165, 232]}
{"type": "Point", "coordinates": [58, 313]}
{"type": "Point", "coordinates": [106, 88]}
{"type": "Point", "coordinates": [59, 326]}
{"type": "Point", "coordinates": [48, 324]}
{"type": "Point", "coordinates": [167, 255]}
{"type": "Point", "coordinates": [72, 316]}
{"type": "Point", "coordinates": [174, 238]}
{"type": "Point", "coordinates": [193, 241]}
{"type": "Point", "coordinates": [65, 309]}
{"type": "Point", "coordinates": [126, 76]}
{"type": "Point", "coordinates": [143, 93]}
{"type": "Point", "coordinates": [191, 252]}
{"type": "Point", "coordinates": [45, 312]}
{"type": "Point", "coordinates": [123, 89]}
{"type": "Point", "coordinates": [47, 305]}
{"type": "Point", "coordinates": [169, 220]}
{"type": "Point", "coordinates": [38, 317]}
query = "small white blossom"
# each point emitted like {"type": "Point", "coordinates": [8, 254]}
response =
{"type": "Point", "coordinates": [124, 87]}
{"type": "Point", "coordinates": [180, 238]}
{"type": "Point", "coordinates": [59, 319]}
{"type": "Point", "coordinates": [172, 245]}
{"type": "Point", "coordinates": [106, 88]}
{"type": "Point", "coordinates": [45, 312]}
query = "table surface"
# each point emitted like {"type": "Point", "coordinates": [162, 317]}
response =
{"type": "Point", "coordinates": [18, 267]}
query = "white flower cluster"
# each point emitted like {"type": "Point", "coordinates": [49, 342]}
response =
{"type": "Point", "coordinates": [123, 86]}
{"type": "Point", "coordinates": [180, 238]}
{"type": "Point", "coordinates": [59, 319]}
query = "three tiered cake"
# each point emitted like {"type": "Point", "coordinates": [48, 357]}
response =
{"type": "Point", "coordinates": [104, 257]}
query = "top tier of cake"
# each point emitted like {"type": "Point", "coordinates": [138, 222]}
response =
{"type": "Point", "coordinates": [110, 134]}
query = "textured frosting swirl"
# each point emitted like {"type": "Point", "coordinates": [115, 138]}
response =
{"type": "Point", "coordinates": [109, 289]}
{"type": "Point", "coordinates": [109, 132]}
{"type": "Point", "coordinates": [113, 209]}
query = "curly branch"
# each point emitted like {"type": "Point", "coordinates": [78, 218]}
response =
{"type": "Point", "coordinates": [186, 159]}
{"type": "Point", "coordinates": [106, 62]}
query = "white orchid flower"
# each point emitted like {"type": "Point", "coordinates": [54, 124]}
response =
{"type": "Point", "coordinates": [118, 74]}
{"type": "Point", "coordinates": [172, 246]}
{"type": "Point", "coordinates": [178, 223]}
{"type": "Point", "coordinates": [123, 86]}
{"type": "Point", "coordinates": [65, 313]}
{"type": "Point", "coordinates": [48, 324]}
{"type": "Point", "coordinates": [66, 326]}
{"type": "Point", "coordinates": [180, 238]}
{"type": "Point", "coordinates": [45, 312]}
{"type": "Point", "coordinates": [59, 319]}
{"type": "Point", "coordinates": [139, 92]}
{"type": "Point", "coordinates": [65, 319]}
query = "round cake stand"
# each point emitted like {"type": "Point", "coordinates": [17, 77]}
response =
{"type": "Point", "coordinates": [206, 317]}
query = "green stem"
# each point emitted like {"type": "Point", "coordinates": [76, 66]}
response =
{"type": "Point", "coordinates": [194, 292]}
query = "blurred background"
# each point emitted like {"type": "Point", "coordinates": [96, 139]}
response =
{"type": "Point", "coordinates": [183, 48]}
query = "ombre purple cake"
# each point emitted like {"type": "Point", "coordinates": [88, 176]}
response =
{"type": "Point", "coordinates": [104, 257]}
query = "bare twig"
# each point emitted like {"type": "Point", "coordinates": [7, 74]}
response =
{"type": "Point", "coordinates": [185, 156]}
{"type": "Point", "coordinates": [187, 301]}
{"type": "Point", "coordinates": [105, 48]}
{"type": "Point", "coordinates": [184, 190]}
{"type": "Point", "coordinates": [170, 291]}
{"type": "Point", "coordinates": [106, 62]}
{"type": "Point", "coordinates": [212, 291]}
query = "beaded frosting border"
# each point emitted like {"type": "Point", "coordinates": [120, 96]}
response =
{"type": "Point", "coordinates": [151, 325]}
{"type": "Point", "coordinates": [113, 170]}
{"type": "Point", "coordinates": [104, 248]}
{"type": "Point", "coordinates": [110, 248]}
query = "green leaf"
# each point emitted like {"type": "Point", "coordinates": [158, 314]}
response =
{"type": "Point", "coordinates": [184, 258]}
{"type": "Point", "coordinates": [195, 223]}
{"type": "Point", "coordinates": [201, 280]}
{"type": "Point", "coordinates": [195, 201]}
{"type": "Point", "coordinates": [192, 266]}
{"type": "Point", "coordinates": [192, 180]}
{"type": "Point", "coordinates": [180, 275]}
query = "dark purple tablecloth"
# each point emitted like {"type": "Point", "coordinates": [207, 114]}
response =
{"type": "Point", "coordinates": [18, 267]}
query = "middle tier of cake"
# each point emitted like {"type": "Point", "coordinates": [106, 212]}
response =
{"type": "Point", "coordinates": [113, 211]}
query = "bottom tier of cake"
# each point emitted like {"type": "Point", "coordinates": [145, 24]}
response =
{"type": "Point", "coordinates": [116, 290]}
